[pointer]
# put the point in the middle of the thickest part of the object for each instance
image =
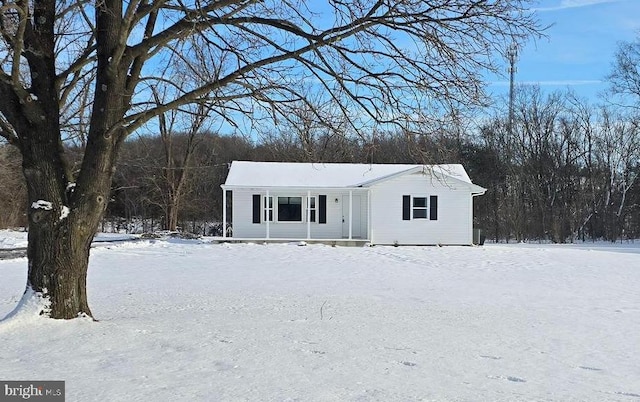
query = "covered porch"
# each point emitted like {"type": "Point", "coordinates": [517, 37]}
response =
{"type": "Point", "coordinates": [330, 215]}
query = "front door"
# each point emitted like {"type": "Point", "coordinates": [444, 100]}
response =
{"type": "Point", "coordinates": [356, 231]}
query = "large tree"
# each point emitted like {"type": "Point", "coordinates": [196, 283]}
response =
{"type": "Point", "coordinates": [86, 69]}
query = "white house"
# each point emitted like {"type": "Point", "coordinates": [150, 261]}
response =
{"type": "Point", "coordinates": [343, 202]}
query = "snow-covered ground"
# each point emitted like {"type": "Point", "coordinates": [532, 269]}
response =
{"type": "Point", "coordinates": [12, 239]}
{"type": "Point", "coordinates": [196, 321]}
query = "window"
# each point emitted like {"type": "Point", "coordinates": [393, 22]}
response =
{"type": "Point", "coordinates": [311, 204]}
{"type": "Point", "coordinates": [419, 207]}
{"type": "Point", "coordinates": [268, 209]}
{"type": "Point", "coordinates": [290, 209]}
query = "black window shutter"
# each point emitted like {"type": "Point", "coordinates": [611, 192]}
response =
{"type": "Point", "coordinates": [322, 209]}
{"type": "Point", "coordinates": [256, 208]}
{"type": "Point", "coordinates": [406, 207]}
{"type": "Point", "coordinates": [433, 208]}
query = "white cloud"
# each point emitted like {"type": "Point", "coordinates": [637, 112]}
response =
{"type": "Point", "coordinates": [564, 4]}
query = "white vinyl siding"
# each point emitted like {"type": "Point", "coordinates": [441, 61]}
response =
{"type": "Point", "coordinates": [453, 226]}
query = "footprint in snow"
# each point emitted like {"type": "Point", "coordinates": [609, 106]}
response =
{"type": "Point", "coordinates": [491, 357]}
{"type": "Point", "coordinates": [508, 378]}
{"type": "Point", "coordinates": [628, 394]}
{"type": "Point", "coordinates": [313, 351]}
{"type": "Point", "coordinates": [590, 368]}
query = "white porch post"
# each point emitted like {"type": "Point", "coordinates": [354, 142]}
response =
{"type": "Point", "coordinates": [308, 215]}
{"type": "Point", "coordinates": [265, 211]}
{"type": "Point", "coordinates": [369, 232]}
{"type": "Point", "coordinates": [224, 213]}
{"type": "Point", "coordinates": [350, 214]}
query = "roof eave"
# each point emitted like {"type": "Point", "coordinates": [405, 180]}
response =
{"type": "Point", "coordinates": [477, 190]}
{"type": "Point", "coordinates": [288, 188]}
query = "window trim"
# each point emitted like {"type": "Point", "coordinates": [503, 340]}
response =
{"type": "Point", "coordinates": [424, 208]}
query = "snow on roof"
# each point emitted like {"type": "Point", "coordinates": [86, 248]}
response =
{"type": "Point", "coordinates": [324, 175]}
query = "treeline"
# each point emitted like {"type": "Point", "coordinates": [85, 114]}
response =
{"type": "Point", "coordinates": [568, 171]}
{"type": "Point", "coordinates": [562, 171]}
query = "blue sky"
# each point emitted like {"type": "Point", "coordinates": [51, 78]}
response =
{"type": "Point", "coordinates": [578, 50]}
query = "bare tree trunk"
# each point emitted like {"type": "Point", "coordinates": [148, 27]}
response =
{"type": "Point", "coordinates": [58, 261]}
{"type": "Point", "coordinates": [63, 219]}
{"type": "Point", "coordinates": [171, 221]}
{"type": "Point", "coordinates": [61, 227]}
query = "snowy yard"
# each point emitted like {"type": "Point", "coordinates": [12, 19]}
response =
{"type": "Point", "coordinates": [196, 321]}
